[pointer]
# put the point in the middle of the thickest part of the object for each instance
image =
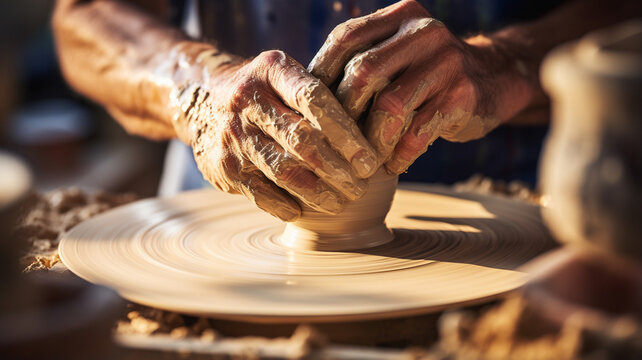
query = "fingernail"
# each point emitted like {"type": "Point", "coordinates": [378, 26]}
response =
{"type": "Point", "coordinates": [364, 163]}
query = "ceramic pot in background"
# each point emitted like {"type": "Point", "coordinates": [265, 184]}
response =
{"type": "Point", "coordinates": [591, 169]}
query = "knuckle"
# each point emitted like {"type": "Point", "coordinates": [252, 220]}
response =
{"type": "Point", "coordinates": [411, 4]}
{"type": "Point", "coordinates": [466, 90]}
{"type": "Point", "coordinates": [271, 57]}
{"type": "Point", "coordinates": [287, 171]}
{"type": "Point", "coordinates": [427, 28]}
{"type": "Point", "coordinates": [409, 8]}
{"type": "Point", "coordinates": [439, 28]}
{"type": "Point", "coordinates": [411, 146]}
{"type": "Point", "coordinates": [305, 91]}
{"type": "Point", "coordinates": [389, 101]}
{"type": "Point", "coordinates": [299, 137]}
{"type": "Point", "coordinates": [422, 24]}
{"type": "Point", "coordinates": [454, 58]}
{"type": "Point", "coordinates": [338, 31]}
{"type": "Point", "coordinates": [361, 66]}
{"type": "Point", "coordinates": [304, 142]}
{"type": "Point", "coordinates": [243, 93]}
{"type": "Point", "coordinates": [345, 32]}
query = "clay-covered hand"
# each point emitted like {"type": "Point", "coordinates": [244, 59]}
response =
{"type": "Point", "coordinates": [268, 129]}
{"type": "Point", "coordinates": [422, 81]}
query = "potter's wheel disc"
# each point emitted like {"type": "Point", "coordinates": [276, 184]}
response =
{"type": "Point", "coordinates": [210, 253]}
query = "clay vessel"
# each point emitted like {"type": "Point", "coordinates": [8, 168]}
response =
{"type": "Point", "coordinates": [591, 170]}
{"type": "Point", "coordinates": [360, 225]}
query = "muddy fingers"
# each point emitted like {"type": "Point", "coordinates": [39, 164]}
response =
{"type": "Point", "coordinates": [267, 196]}
{"type": "Point", "coordinates": [299, 138]}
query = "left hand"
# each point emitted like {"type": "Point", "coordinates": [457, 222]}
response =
{"type": "Point", "coordinates": [423, 81]}
{"type": "Point", "coordinates": [266, 128]}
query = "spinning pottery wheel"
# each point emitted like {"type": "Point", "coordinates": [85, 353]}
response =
{"type": "Point", "coordinates": [210, 253]}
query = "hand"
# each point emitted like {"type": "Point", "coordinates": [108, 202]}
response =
{"type": "Point", "coordinates": [268, 129]}
{"type": "Point", "coordinates": [422, 81]}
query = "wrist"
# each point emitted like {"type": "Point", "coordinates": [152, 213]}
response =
{"type": "Point", "coordinates": [200, 63]}
{"type": "Point", "coordinates": [186, 76]}
{"type": "Point", "coordinates": [511, 74]}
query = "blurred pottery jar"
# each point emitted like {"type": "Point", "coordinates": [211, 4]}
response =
{"type": "Point", "coordinates": [591, 169]}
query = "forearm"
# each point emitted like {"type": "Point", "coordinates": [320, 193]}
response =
{"type": "Point", "coordinates": [525, 45]}
{"type": "Point", "coordinates": [130, 62]}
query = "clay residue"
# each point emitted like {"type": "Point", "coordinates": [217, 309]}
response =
{"type": "Point", "coordinates": [513, 330]}
{"type": "Point", "coordinates": [384, 130]}
{"type": "Point", "coordinates": [461, 125]}
{"type": "Point", "coordinates": [327, 115]}
{"type": "Point", "coordinates": [46, 216]}
{"type": "Point", "coordinates": [142, 320]}
{"type": "Point", "coordinates": [514, 189]}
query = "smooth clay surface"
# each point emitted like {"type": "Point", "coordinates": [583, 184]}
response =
{"type": "Point", "coordinates": [359, 226]}
{"type": "Point", "coordinates": [210, 253]}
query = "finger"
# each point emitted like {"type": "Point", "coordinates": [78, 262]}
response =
{"type": "Point", "coordinates": [393, 108]}
{"type": "Point", "coordinates": [464, 118]}
{"type": "Point", "coordinates": [234, 175]}
{"type": "Point", "coordinates": [288, 173]}
{"type": "Point", "coordinates": [356, 34]}
{"type": "Point", "coordinates": [449, 115]}
{"type": "Point", "coordinates": [304, 93]}
{"type": "Point", "coordinates": [299, 138]}
{"type": "Point", "coordinates": [369, 72]}
{"type": "Point", "coordinates": [422, 132]}
{"type": "Point", "coordinates": [267, 196]}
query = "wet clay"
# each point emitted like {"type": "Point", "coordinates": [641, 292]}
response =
{"type": "Point", "coordinates": [210, 253]}
{"type": "Point", "coordinates": [359, 226]}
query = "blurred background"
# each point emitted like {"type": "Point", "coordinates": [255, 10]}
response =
{"type": "Point", "coordinates": [69, 141]}
{"type": "Point", "coordinates": [65, 139]}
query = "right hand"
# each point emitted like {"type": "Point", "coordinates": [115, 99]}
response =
{"type": "Point", "coordinates": [268, 129]}
{"type": "Point", "coordinates": [417, 81]}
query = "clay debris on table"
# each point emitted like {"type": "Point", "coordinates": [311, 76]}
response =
{"type": "Point", "coordinates": [142, 320]}
{"type": "Point", "coordinates": [514, 189]}
{"type": "Point", "coordinates": [171, 328]}
{"type": "Point", "coordinates": [513, 330]}
{"type": "Point", "coordinates": [46, 216]}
